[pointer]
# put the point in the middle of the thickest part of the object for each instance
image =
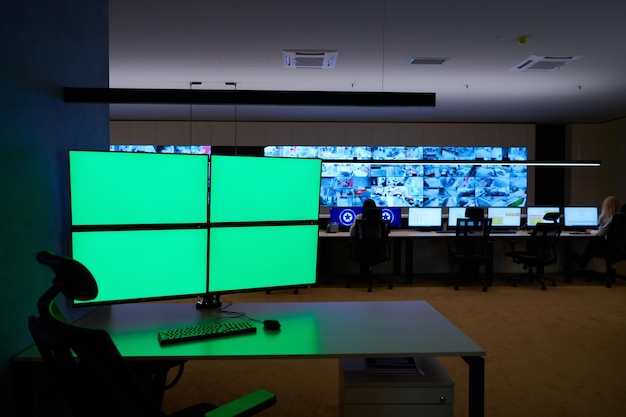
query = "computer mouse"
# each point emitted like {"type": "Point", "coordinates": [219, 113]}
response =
{"type": "Point", "coordinates": [271, 324]}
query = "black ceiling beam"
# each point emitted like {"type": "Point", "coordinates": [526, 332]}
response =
{"type": "Point", "coordinates": [247, 97]}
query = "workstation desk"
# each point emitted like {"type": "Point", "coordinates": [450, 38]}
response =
{"type": "Point", "coordinates": [403, 241]}
{"type": "Point", "coordinates": [308, 330]}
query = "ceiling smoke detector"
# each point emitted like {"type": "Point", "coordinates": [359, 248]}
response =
{"type": "Point", "coordinates": [543, 63]}
{"type": "Point", "coordinates": [309, 59]}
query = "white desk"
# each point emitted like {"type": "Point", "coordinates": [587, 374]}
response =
{"type": "Point", "coordinates": [408, 236]}
{"type": "Point", "coordinates": [309, 330]}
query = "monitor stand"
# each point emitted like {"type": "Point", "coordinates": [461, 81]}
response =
{"type": "Point", "coordinates": [209, 301]}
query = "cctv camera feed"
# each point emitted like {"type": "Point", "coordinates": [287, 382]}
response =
{"type": "Point", "coordinates": [352, 174]}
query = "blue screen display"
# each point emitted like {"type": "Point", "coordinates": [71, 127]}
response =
{"type": "Point", "coordinates": [344, 216]}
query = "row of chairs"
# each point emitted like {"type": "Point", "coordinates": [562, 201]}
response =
{"type": "Point", "coordinates": [471, 249]}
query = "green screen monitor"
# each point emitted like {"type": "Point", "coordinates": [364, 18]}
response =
{"type": "Point", "coordinates": [263, 189]}
{"type": "Point", "coordinates": [140, 265]}
{"type": "Point", "coordinates": [262, 257]}
{"type": "Point", "coordinates": [120, 188]}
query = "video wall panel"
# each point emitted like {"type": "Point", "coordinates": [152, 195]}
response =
{"type": "Point", "coordinates": [351, 175]}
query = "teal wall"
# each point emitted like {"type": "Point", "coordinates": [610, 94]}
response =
{"type": "Point", "coordinates": [45, 45]}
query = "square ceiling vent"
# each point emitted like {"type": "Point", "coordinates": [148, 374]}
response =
{"type": "Point", "coordinates": [543, 63]}
{"type": "Point", "coordinates": [309, 59]}
{"type": "Point", "coordinates": [427, 60]}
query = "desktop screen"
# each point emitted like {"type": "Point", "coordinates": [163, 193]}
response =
{"type": "Point", "coordinates": [427, 217]}
{"type": "Point", "coordinates": [580, 216]}
{"type": "Point", "coordinates": [344, 216]}
{"type": "Point", "coordinates": [455, 213]}
{"type": "Point", "coordinates": [505, 216]}
{"type": "Point", "coordinates": [393, 215]}
{"type": "Point", "coordinates": [138, 223]}
{"type": "Point", "coordinates": [260, 257]}
{"type": "Point", "coordinates": [137, 265]}
{"type": "Point", "coordinates": [534, 214]}
{"type": "Point", "coordinates": [117, 188]}
{"type": "Point", "coordinates": [251, 188]}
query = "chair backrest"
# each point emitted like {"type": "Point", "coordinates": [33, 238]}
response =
{"type": "Point", "coordinates": [85, 363]}
{"type": "Point", "coordinates": [372, 213]}
{"type": "Point", "coordinates": [616, 238]}
{"type": "Point", "coordinates": [542, 242]}
{"type": "Point", "coordinates": [475, 213]}
{"type": "Point", "coordinates": [370, 241]}
{"type": "Point", "coordinates": [472, 238]}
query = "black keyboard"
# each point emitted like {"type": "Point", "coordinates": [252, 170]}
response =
{"type": "Point", "coordinates": [502, 231]}
{"type": "Point", "coordinates": [205, 331]}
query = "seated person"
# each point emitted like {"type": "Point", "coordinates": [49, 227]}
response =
{"type": "Point", "coordinates": [597, 245]}
{"type": "Point", "coordinates": [367, 204]}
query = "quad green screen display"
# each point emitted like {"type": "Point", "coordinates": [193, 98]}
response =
{"type": "Point", "coordinates": [140, 223]}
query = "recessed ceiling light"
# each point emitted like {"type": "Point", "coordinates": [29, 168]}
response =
{"type": "Point", "coordinates": [427, 61]}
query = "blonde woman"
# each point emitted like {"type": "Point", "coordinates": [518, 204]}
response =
{"type": "Point", "coordinates": [597, 245]}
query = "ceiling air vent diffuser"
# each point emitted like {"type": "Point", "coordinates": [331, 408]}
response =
{"type": "Point", "coordinates": [310, 59]}
{"type": "Point", "coordinates": [543, 63]}
{"type": "Point", "coordinates": [427, 61]}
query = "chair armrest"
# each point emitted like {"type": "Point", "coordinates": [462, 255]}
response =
{"type": "Point", "coordinates": [248, 405]}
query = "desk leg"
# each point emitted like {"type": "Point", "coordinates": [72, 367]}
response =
{"type": "Point", "coordinates": [397, 257]}
{"type": "Point", "coordinates": [567, 260]}
{"type": "Point", "coordinates": [408, 259]}
{"type": "Point", "coordinates": [324, 253]}
{"type": "Point", "coordinates": [476, 385]}
{"type": "Point", "coordinates": [489, 266]}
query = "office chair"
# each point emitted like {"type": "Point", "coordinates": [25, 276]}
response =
{"type": "Point", "coordinates": [369, 246]}
{"type": "Point", "coordinates": [471, 248]}
{"type": "Point", "coordinates": [87, 369]}
{"type": "Point", "coordinates": [615, 248]}
{"type": "Point", "coordinates": [475, 213]}
{"type": "Point", "coordinates": [540, 252]}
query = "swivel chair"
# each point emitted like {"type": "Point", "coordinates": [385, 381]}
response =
{"type": "Point", "coordinates": [615, 248]}
{"type": "Point", "coordinates": [474, 213]}
{"type": "Point", "coordinates": [369, 246]}
{"type": "Point", "coordinates": [88, 370]}
{"type": "Point", "coordinates": [471, 248]}
{"type": "Point", "coordinates": [540, 252]}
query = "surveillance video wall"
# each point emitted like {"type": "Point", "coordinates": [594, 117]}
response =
{"type": "Point", "coordinates": [352, 174]}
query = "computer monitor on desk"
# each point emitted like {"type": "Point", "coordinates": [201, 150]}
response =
{"type": "Point", "coordinates": [455, 213]}
{"type": "Point", "coordinates": [505, 217]}
{"type": "Point", "coordinates": [425, 218]}
{"type": "Point", "coordinates": [344, 216]}
{"type": "Point", "coordinates": [534, 214]}
{"type": "Point", "coordinates": [580, 217]}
